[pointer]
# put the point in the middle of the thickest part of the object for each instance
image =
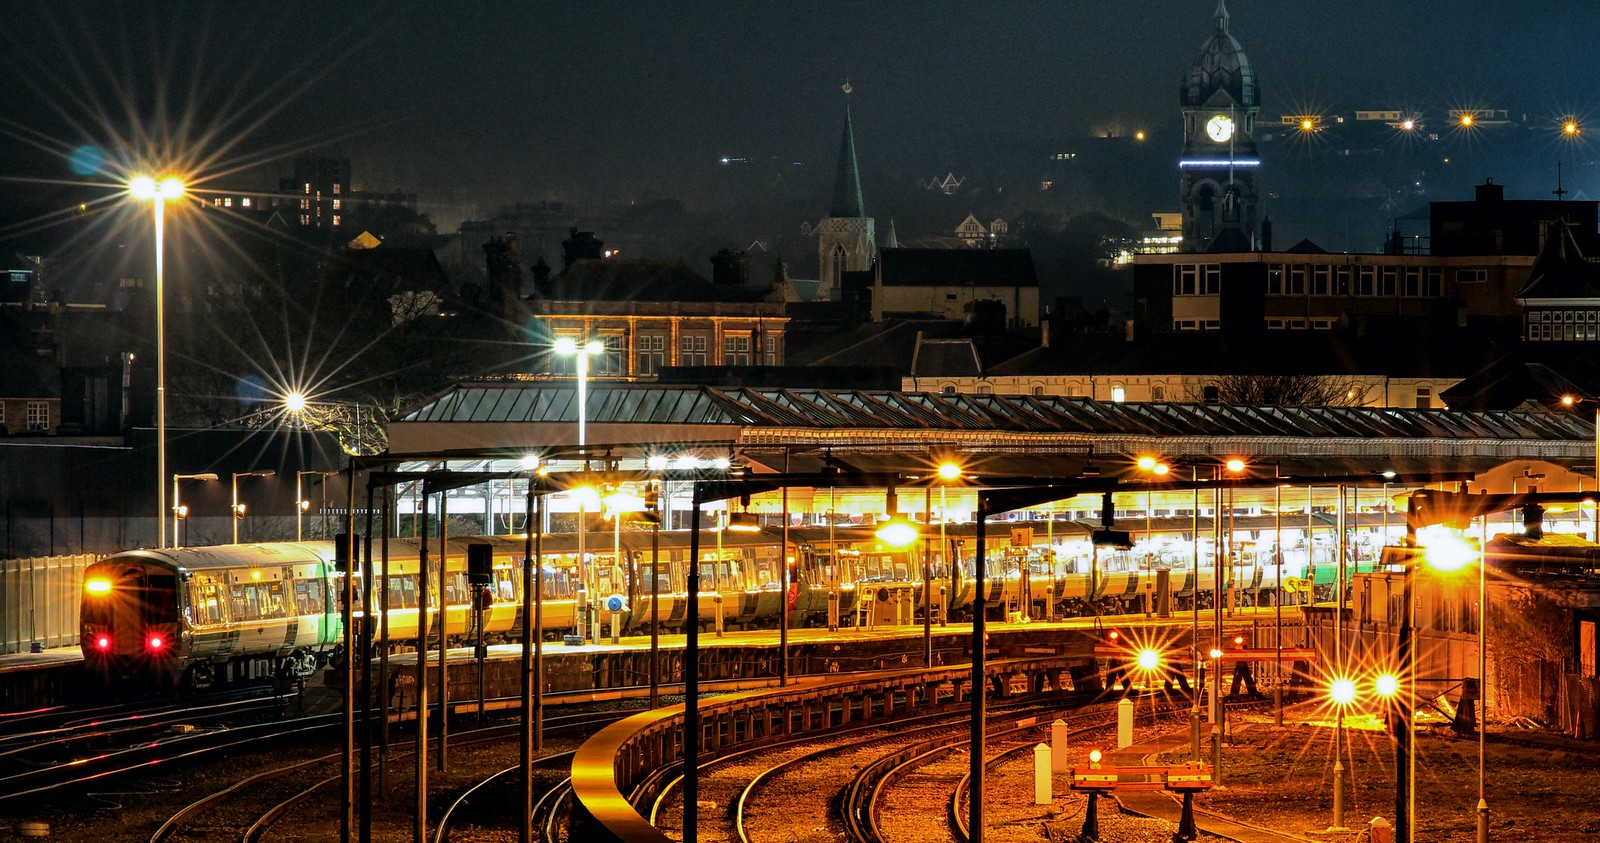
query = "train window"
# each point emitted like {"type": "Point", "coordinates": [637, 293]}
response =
{"type": "Point", "coordinates": [308, 598]}
{"type": "Point", "coordinates": [455, 589]}
{"type": "Point", "coordinates": [505, 585]}
{"type": "Point", "coordinates": [402, 592]}
{"type": "Point", "coordinates": [274, 601]}
{"type": "Point", "coordinates": [207, 604]}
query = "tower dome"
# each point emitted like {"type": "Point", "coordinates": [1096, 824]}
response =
{"type": "Point", "coordinates": [1221, 66]}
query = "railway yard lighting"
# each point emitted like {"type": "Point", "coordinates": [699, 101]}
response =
{"type": "Point", "coordinates": [158, 194]}
{"type": "Point", "coordinates": [179, 511]}
{"type": "Point", "coordinates": [302, 506]}
{"type": "Point", "coordinates": [239, 508]}
{"type": "Point", "coordinates": [569, 346]}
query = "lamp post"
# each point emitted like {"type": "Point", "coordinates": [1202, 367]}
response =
{"type": "Point", "coordinates": [239, 508]}
{"type": "Point", "coordinates": [178, 511]}
{"type": "Point", "coordinates": [147, 189]}
{"type": "Point", "coordinates": [949, 472]}
{"type": "Point", "coordinates": [301, 505]}
{"type": "Point", "coordinates": [569, 345]}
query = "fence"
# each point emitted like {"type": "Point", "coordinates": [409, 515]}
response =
{"type": "Point", "coordinates": [39, 601]}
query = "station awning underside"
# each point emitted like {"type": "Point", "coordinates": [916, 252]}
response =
{"type": "Point", "coordinates": [877, 429]}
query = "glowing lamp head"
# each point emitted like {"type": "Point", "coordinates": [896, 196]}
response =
{"type": "Point", "coordinates": [1568, 400]}
{"type": "Point", "coordinates": [103, 642]}
{"type": "Point", "coordinates": [1113, 636]}
{"type": "Point", "coordinates": [949, 471]}
{"type": "Point", "coordinates": [295, 402]}
{"type": "Point", "coordinates": [305, 506]}
{"type": "Point", "coordinates": [1149, 659]}
{"type": "Point", "coordinates": [1307, 124]}
{"type": "Point", "coordinates": [1569, 128]}
{"type": "Point", "coordinates": [1446, 550]}
{"type": "Point", "coordinates": [593, 347]}
{"type": "Point", "coordinates": [1161, 468]}
{"type": "Point", "coordinates": [656, 463]}
{"type": "Point", "coordinates": [1467, 119]}
{"type": "Point", "coordinates": [142, 187]}
{"type": "Point", "coordinates": [897, 532]}
{"type": "Point", "coordinates": [156, 642]}
{"type": "Point", "coordinates": [1147, 463]}
{"type": "Point", "coordinates": [1238, 640]}
{"type": "Point", "coordinates": [1216, 652]}
{"type": "Point", "coordinates": [1138, 136]}
{"type": "Point", "coordinates": [1094, 757]}
{"type": "Point", "coordinates": [98, 586]}
{"type": "Point", "coordinates": [147, 188]}
{"type": "Point", "coordinates": [1387, 685]}
{"type": "Point", "coordinates": [1235, 465]}
{"type": "Point", "coordinates": [1342, 691]}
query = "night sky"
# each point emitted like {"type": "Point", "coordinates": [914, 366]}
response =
{"type": "Point", "coordinates": [473, 104]}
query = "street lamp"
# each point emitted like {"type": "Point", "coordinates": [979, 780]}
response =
{"type": "Point", "coordinates": [147, 189]}
{"type": "Point", "coordinates": [1443, 551]}
{"type": "Point", "coordinates": [301, 505]}
{"type": "Point", "coordinates": [239, 508]}
{"type": "Point", "coordinates": [568, 345]}
{"type": "Point", "coordinates": [178, 509]}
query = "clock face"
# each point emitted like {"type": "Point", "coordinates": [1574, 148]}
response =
{"type": "Point", "coordinates": [1220, 128]}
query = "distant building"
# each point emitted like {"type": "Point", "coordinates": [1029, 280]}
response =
{"type": "Point", "coordinates": [846, 239]}
{"type": "Point", "coordinates": [1219, 99]}
{"type": "Point", "coordinates": [955, 284]}
{"type": "Point", "coordinates": [653, 314]}
{"type": "Point", "coordinates": [320, 186]}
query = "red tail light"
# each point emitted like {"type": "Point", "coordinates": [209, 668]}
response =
{"type": "Point", "coordinates": [103, 642]}
{"type": "Point", "coordinates": [156, 642]}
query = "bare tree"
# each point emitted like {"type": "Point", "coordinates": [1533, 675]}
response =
{"type": "Point", "coordinates": [1290, 390]}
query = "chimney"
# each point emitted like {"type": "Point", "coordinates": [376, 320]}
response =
{"type": "Point", "coordinates": [1266, 234]}
{"type": "Point", "coordinates": [1044, 333]}
{"type": "Point", "coordinates": [730, 267]}
{"type": "Point", "coordinates": [1491, 192]}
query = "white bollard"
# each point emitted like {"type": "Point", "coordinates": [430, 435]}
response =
{"type": "Point", "coordinates": [1124, 723]}
{"type": "Point", "coordinates": [1041, 775]}
{"type": "Point", "coordinates": [1058, 747]}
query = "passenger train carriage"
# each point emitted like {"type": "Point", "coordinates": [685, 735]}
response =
{"type": "Point", "coordinates": [198, 616]}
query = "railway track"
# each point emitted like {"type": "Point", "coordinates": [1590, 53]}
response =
{"type": "Point", "coordinates": [304, 792]}
{"type": "Point", "coordinates": [731, 787]}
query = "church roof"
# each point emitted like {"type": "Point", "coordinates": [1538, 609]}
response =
{"type": "Point", "coordinates": [1221, 66]}
{"type": "Point", "coordinates": [847, 179]}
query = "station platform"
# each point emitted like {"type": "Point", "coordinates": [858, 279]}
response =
{"type": "Point", "coordinates": [31, 680]}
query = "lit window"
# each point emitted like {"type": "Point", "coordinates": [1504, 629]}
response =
{"type": "Point", "coordinates": [1119, 394]}
{"type": "Point", "coordinates": [336, 204]}
{"type": "Point", "coordinates": [337, 188]}
{"type": "Point", "coordinates": [245, 202]}
{"type": "Point", "coordinates": [308, 188]}
{"type": "Point", "coordinates": [336, 219]}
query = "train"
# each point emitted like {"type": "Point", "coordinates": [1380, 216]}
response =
{"type": "Point", "coordinates": [198, 617]}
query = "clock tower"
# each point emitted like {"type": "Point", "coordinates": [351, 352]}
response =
{"type": "Point", "coordinates": [1218, 168]}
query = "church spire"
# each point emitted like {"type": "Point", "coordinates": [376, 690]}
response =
{"type": "Point", "coordinates": [847, 180]}
{"type": "Point", "coordinates": [1222, 15]}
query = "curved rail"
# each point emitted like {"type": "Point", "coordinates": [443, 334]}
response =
{"type": "Point", "coordinates": [448, 818]}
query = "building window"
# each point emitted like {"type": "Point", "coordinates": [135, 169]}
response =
{"type": "Point", "coordinates": [337, 203]}
{"type": "Point", "coordinates": [1433, 282]}
{"type": "Point", "coordinates": [1038, 391]}
{"type": "Point", "coordinates": [1413, 282]}
{"type": "Point", "coordinates": [1471, 276]}
{"type": "Point", "coordinates": [1185, 279]}
{"type": "Point", "coordinates": [305, 219]}
{"type": "Point", "coordinates": [1158, 393]}
{"type": "Point", "coordinates": [736, 350]}
{"type": "Point", "coordinates": [1275, 279]}
{"type": "Point", "coordinates": [1424, 398]}
{"type": "Point", "coordinates": [1320, 278]}
{"type": "Point", "coordinates": [1212, 282]}
{"type": "Point", "coordinates": [1119, 393]}
{"type": "Point", "coordinates": [1388, 282]}
{"type": "Point", "coordinates": [305, 204]}
{"type": "Point", "coordinates": [38, 415]}
{"type": "Point", "coordinates": [839, 263]}
{"type": "Point", "coordinates": [1341, 280]}
{"type": "Point", "coordinates": [770, 355]}
{"type": "Point", "coordinates": [245, 202]}
{"type": "Point", "coordinates": [613, 355]}
{"type": "Point", "coordinates": [1297, 280]}
{"type": "Point", "coordinates": [652, 349]}
{"type": "Point", "coordinates": [692, 350]}
{"type": "Point", "coordinates": [337, 189]}
{"type": "Point", "coordinates": [985, 389]}
{"type": "Point", "coordinates": [948, 390]}
{"type": "Point", "coordinates": [1367, 283]}
{"type": "Point", "coordinates": [1211, 394]}
{"type": "Point", "coordinates": [336, 220]}
{"type": "Point", "coordinates": [2, 415]}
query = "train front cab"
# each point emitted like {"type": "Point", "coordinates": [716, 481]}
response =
{"type": "Point", "coordinates": [129, 623]}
